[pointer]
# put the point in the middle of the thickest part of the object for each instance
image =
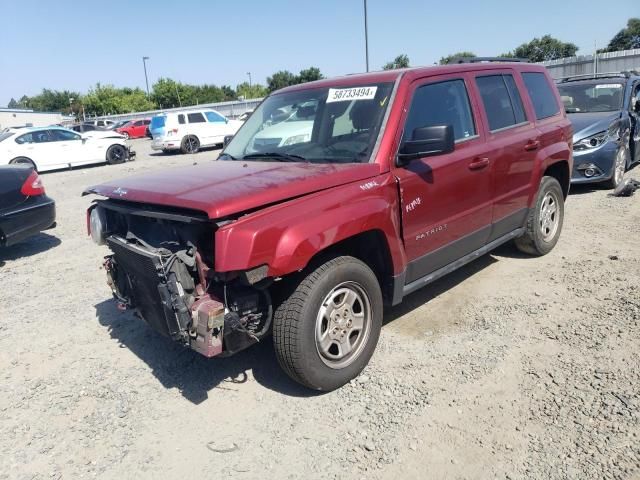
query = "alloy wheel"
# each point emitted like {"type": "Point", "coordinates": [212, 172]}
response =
{"type": "Point", "coordinates": [549, 216]}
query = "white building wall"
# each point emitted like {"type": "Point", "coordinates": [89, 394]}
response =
{"type": "Point", "coordinates": [14, 117]}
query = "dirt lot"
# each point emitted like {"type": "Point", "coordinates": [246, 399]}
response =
{"type": "Point", "coordinates": [513, 367]}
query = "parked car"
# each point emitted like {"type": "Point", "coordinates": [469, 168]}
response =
{"type": "Point", "coordinates": [118, 124]}
{"type": "Point", "coordinates": [25, 209]}
{"type": "Point", "coordinates": [190, 130]}
{"type": "Point", "coordinates": [50, 148]}
{"type": "Point", "coordinates": [135, 128]}
{"type": "Point", "coordinates": [85, 127]}
{"type": "Point", "coordinates": [100, 123]}
{"type": "Point", "coordinates": [243, 117]}
{"type": "Point", "coordinates": [406, 176]}
{"type": "Point", "coordinates": [605, 113]}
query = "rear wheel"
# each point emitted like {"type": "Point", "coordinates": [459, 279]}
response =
{"type": "Point", "coordinates": [116, 154]}
{"type": "Point", "coordinates": [24, 161]}
{"type": "Point", "coordinates": [545, 219]}
{"type": "Point", "coordinates": [327, 329]}
{"type": "Point", "coordinates": [190, 144]}
{"type": "Point", "coordinates": [619, 167]}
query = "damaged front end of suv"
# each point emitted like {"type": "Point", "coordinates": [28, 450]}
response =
{"type": "Point", "coordinates": [161, 268]}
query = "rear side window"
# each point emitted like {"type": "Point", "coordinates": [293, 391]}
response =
{"type": "Point", "coordinates": [443, 103]}
{"type": "Point", "coordinates": [501, 101]}
{"type": "Point", "coordinates": [542, 96]}
{"type": "Point", "coordinates": [196, 117]}
{"type": "Point", "coordinates": [63, 135]}
{"type": "Point", "coordinates": [214, 117]}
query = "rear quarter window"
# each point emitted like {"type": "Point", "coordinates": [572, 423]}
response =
{"type": "Point", "coordinates": [541, 94]}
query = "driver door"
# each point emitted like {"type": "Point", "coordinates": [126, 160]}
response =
{"type": "Point", "coordinates": [446, 199]}
{"type": "Point", "coordinates": [634, 115]}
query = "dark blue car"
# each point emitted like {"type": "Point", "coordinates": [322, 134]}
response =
{"type": "Point", "coordinates": [605, 113]}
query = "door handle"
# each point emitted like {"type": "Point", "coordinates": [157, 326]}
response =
{"type": "Point", "coordinates": [478, 163]}
{"type": "Point", "coordinates": [532, 145]}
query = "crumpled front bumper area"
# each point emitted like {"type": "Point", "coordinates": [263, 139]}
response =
{"type": "Point", "coordinates": [157, 284]}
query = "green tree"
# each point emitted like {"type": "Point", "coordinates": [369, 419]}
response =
{"type": "Point", "coordinates": [309, 75]}
{"type": "Point", "coordinates": [107, 99]}
{"type": "Point", "coordinates": [454, 56]}
{"type": "Point", "coordinates": [254, 91]}
{"type": "Point", "coordinates": [13, 104]}
{"type": "Point", "coordinates": [281, 79]}
{"type": "Point", "coordinates": [544, 48]}
{"type": "Point", "coordinates": [401, 61]}
{"type": "Point", "coordinates": [625, 39]}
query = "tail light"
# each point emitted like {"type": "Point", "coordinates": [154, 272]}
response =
{"type": "Point", "coordinates": [32, 186]}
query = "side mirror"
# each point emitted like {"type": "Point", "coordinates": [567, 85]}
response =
{"type": "Point", "coordinates": [227, 139]}
{"type": "Point", "coordinates": [425, 142]}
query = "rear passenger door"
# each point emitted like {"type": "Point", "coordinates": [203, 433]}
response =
{"type": "Point", "coordinates": [513, 141]}
{"type": "Point", "coordinates": [198, 127]}
{"type": "Point", "coordinates": [445, 199]}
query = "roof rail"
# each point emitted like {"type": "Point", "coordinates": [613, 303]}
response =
{"type": "Point", "coordinates": [587, 76]}
{"type": "Point", "coordinates": [487, 59]}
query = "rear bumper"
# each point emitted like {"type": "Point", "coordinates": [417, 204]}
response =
{"type": "Point", "coordinates": [34, 216]}
{"type": "Point", "coordinates": [163, 144]}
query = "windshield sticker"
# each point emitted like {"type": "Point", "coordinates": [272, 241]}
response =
{"type": "Point", "coordinates": [348, 94]}
{"type": "Point", "coordinates": [609, 85]}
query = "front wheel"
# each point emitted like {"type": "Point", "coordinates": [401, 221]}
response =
{"type": "Point", "coordinates": [116, 154]}
{"type": "Point", "coordinates": [544, 221]}
{"type": "Point", "coordinates": [619, 167]}
{"type": "Point", "coordinates": [327, 329]}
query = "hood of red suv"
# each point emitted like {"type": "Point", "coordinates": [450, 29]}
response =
{"type": "Point", "coordinates": [223, 188]}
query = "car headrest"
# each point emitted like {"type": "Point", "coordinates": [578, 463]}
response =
{"type": "Point", "coordinates": [363, 114]}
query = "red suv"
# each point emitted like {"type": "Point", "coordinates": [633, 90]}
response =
{"type": "Point", "coordinates": [135, 128]}
{"type": "Point", "coordinates": [368, 188]}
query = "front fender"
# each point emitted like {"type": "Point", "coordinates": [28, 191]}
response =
{"type": "Point", "coordinates": [286, 236]}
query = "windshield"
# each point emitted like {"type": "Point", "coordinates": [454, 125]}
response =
{"type": "Point", "coordinates": [325, 125]}
{"type": "Point", "coordinates": [590, 97]}
{"type": "Point", "coordinates": [5, 135]}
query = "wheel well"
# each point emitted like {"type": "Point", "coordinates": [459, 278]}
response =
{"type": "Point", "coordinates": [15, 161]}
{"type": "Point", "coordinates": [371, 248]}
{"type": "Point", "coordinates": [560, 171]}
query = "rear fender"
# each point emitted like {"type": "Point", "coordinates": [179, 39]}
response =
{"type": "Point", "coordinates": [286, 236]}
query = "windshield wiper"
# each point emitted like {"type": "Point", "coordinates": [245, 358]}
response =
{"type": "Point", "coordinates": [225, 156]}
{"type": "Point", "coordinates": [280, 157]}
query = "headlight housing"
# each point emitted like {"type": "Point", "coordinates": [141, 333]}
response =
{"type": "Point", "coordinates": [296, 139]}
{"type": "Point", "coordinates": [594, 141]}
{"type": "Point", "coordinates": [97, 225]}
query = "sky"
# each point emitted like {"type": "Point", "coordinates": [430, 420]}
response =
{"type": "Point", "coordinates": [72, 45]}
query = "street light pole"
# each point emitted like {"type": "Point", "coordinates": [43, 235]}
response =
{"type": "Point", "coordinates": [366, 36]}
{"type": "Point", "coordinates": [146, 79]}
{"type": "Point", "coordinates": [249, 73]}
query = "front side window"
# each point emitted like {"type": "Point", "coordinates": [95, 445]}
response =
{"type": "Point", "coordinates": [196, 117]}
{"type": "Point", "coordinates": [541, 94]}
{"type": "Point", "coordinates": [214, 117]}
{"type": "Point", "coordinates": [443, 103]}
{"type": "Point", "coordinates": [592, 96]}
{"type": "Point", "coordinates": [501, 101]}
{"type": "Point", "coordinates": [319, 125]}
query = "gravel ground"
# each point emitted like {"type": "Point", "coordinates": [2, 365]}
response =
{"type": "Point", "coordinates": [512, 367]}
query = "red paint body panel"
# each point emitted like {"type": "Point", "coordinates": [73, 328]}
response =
{"type": "Point", "coordinates": [135, 128]}
{"type": "Point", "coordinates": [224, 188]}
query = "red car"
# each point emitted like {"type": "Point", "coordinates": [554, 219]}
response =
{"type": "Point", "coordinates": [372, 186]}
{"type": "Point", "coordinates": [135, 128]}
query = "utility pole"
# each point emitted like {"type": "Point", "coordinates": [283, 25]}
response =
{"type": "Point", "coordinates": [146, 78]}
{"type": "Point", "coordinates": [366, 36]}
{"type": "Point", "coordinates": [595, 59]}
{"type": "Point", "coordinates": [249, 73]}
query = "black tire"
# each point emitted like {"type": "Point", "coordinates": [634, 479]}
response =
{"type": "Point", "coordinates": [190, 144]}
{"type": "Point", "coordinates": [297, 322]}
{"type": "Point", "coordinates": [24, 161]}
{"type": "Point", "coordinates": [620, 166]}
{"type": "Point", "coordinates": [116, 154]}
{"type": "Point", "coordinates": [539, 239]}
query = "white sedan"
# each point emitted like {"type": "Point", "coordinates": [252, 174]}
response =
{"type": "Point", "coordinates": [51, 148]}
